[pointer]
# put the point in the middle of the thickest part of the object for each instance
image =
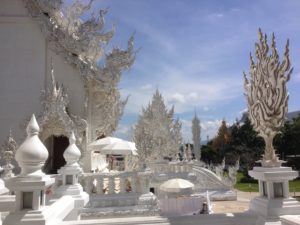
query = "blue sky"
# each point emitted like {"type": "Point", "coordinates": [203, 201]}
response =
{"type": "Point", "coordinates": [194, 52]}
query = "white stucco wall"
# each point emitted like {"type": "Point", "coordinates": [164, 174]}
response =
{"type": "Point", "coordinates": [25, 68]}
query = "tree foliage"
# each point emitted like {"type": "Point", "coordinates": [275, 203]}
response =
{"type": "Point", "coordinates": [223, 136]}
{"type": "Point", "coordinates": [245, 144]}
{"type": "Point", "coordinates": [287, 142]}
{"type": "Point", "coordinates": [237, 142]}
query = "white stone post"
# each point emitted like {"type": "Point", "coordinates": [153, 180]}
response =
{"type": "Point", "coordinates": [88, 184]}
{"type": "Point", "coordinates": [111, 185]}
{"type": "Point", "coordinates": [122, 185]}
{"type": "Point", "coordinates": [100, 185]}
{"type": "Point", "coordinates": [133, 183]}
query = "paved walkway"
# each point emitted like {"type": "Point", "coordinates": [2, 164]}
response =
{"type": "Point", "coordinates": [241, 205]}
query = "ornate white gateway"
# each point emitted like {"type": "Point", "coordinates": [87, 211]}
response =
{"type": "Point", "coordinates": [55, 119]}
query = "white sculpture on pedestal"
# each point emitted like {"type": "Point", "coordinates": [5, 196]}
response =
{"type": "Point", "coordinates": [267, 99]}
{"type": "Point", "coordinates": [267, 95]}
{"type": "Point", "coordinates": [30, 187]}
{"type": "Point", "coordinates": [70, 173]}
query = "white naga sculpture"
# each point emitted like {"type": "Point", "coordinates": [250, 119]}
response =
{"type": "Point", "coordinates": [267, 95]}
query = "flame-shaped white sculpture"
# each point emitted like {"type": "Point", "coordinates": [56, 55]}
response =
{"type": "Point", "coordinates": [267, 95]}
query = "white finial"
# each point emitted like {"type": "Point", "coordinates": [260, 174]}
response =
{"type": "Point", "coordinates": [72, 138]}
{"type": "Point", "coordinates": [32, 154]}
{"type": "Point", "coordinates": [32, 127]}
{"type": "Point", "coordinates": [72, 153]}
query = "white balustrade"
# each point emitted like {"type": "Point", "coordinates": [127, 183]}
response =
{"type": "Point", "coordinates": [116, 183]}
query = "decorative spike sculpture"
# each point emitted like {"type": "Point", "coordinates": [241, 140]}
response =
{"type": "Point", "coordinates": [8, 153]}
{"type": "Point", "coordinates": [267, 95]}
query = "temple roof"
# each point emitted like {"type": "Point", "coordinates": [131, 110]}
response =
{"type": "Point", "coordinates": [82, 42]}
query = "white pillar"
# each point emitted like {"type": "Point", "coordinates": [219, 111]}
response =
{"type": "Point", "coordinates": [286, 190]}
{"type": "Point", "coordinates": [270, 190]}
{"type": "Point", "coordinates": [111, 185]}
{"type": "Point", "coordinates": [122, 185]}
{"type": "Point", "coordinates": [133, 184]}
{"type": "Point", "coordinates": [100, 185]}
{"type": "Point", "coordinates": [261, 187]}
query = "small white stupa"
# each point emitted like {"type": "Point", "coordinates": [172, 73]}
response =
{"type": "Point", "coordinates": [31, 185]}
{"type": "Point", "coordinates": [70, 173]}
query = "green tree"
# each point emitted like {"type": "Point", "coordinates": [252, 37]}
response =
{"type": "Point", "coordinates": [287, 142]}
{"type": "Point", "coordinates": [245, 144]}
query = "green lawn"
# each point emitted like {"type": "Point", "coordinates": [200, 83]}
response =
{"type": "Point", "coordinates": [253, 187]}
{"type": "Point", "coordinates": [247, 187]}
{"type": "Point", "coordinates": [295, 185]}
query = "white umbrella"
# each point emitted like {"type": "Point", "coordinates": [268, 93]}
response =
{"type": "Point", "coordinates": [177, 186]}
{"type": "Point", "coordinates": [100, 143]}
{"type": "Point", "coordinates": [120, 148]}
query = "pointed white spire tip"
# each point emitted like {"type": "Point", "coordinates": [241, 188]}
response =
{"type": "Point", "coordinates": [72, 138]}
{"type": "Point", "coordinates": [32, 127]}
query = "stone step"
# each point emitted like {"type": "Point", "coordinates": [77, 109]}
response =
{"type": "Point", "coordinates": [121, 211]}
{"type": "Point", "coordinates": [212, 219]}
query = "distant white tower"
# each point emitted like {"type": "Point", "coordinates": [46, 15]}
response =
{"type": "Point", "coordinates": [196, 131]}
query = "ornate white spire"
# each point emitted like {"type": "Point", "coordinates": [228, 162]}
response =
{"type": "Point", "coordinates": [8, 152]}
{"type": "Point", "coordinates": [32, 153]}
{"type": "Point", "coordinates": [72, 153]}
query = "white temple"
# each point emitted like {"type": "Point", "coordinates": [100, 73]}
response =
{"type": "Point", "coordinates": [43, 49]}
{"type": "Point", "coordinates": [49, 66]}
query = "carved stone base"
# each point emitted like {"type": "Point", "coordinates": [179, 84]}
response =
{"type": "Point", "coordinates": [271, 209]}
{"type": "Point", "coordinates": [271, 163]}
{"type": "Point", "coordinates": [274, 200]}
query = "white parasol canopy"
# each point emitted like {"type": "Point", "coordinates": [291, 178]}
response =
{"type": "Point", "coordinates": [177, 186]}
{"type": "Point", "coordinates": [100, 143]}
{"type": "Point", "coordinates": [120, 148]}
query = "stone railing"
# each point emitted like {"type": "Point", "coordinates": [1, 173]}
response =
{"type": "Point", "coordinates": [123, 182]}
{"type": "Point", "coordinates": [171, 167]}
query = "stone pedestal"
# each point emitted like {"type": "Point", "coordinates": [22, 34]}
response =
{"type": "Point", "coordinates": [70, 186]}
{"type": "Point", "coordinates": [274, 200]}
{"type": "Point", "coordinates": [30, 199]}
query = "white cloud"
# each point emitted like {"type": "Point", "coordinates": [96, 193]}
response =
{"type": "Point", "coordinates": [205, 108]}
{"type": "Point", "coordinates": [124, 131]}
{"type": "Point", "coordinates": [184, 93]}
{"type": "Point", "coordinates": [177, 98]}
{"type": "Point", "coordinates": [210, 128]}
{"type": "Point", "coordinates": [146, 87]}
